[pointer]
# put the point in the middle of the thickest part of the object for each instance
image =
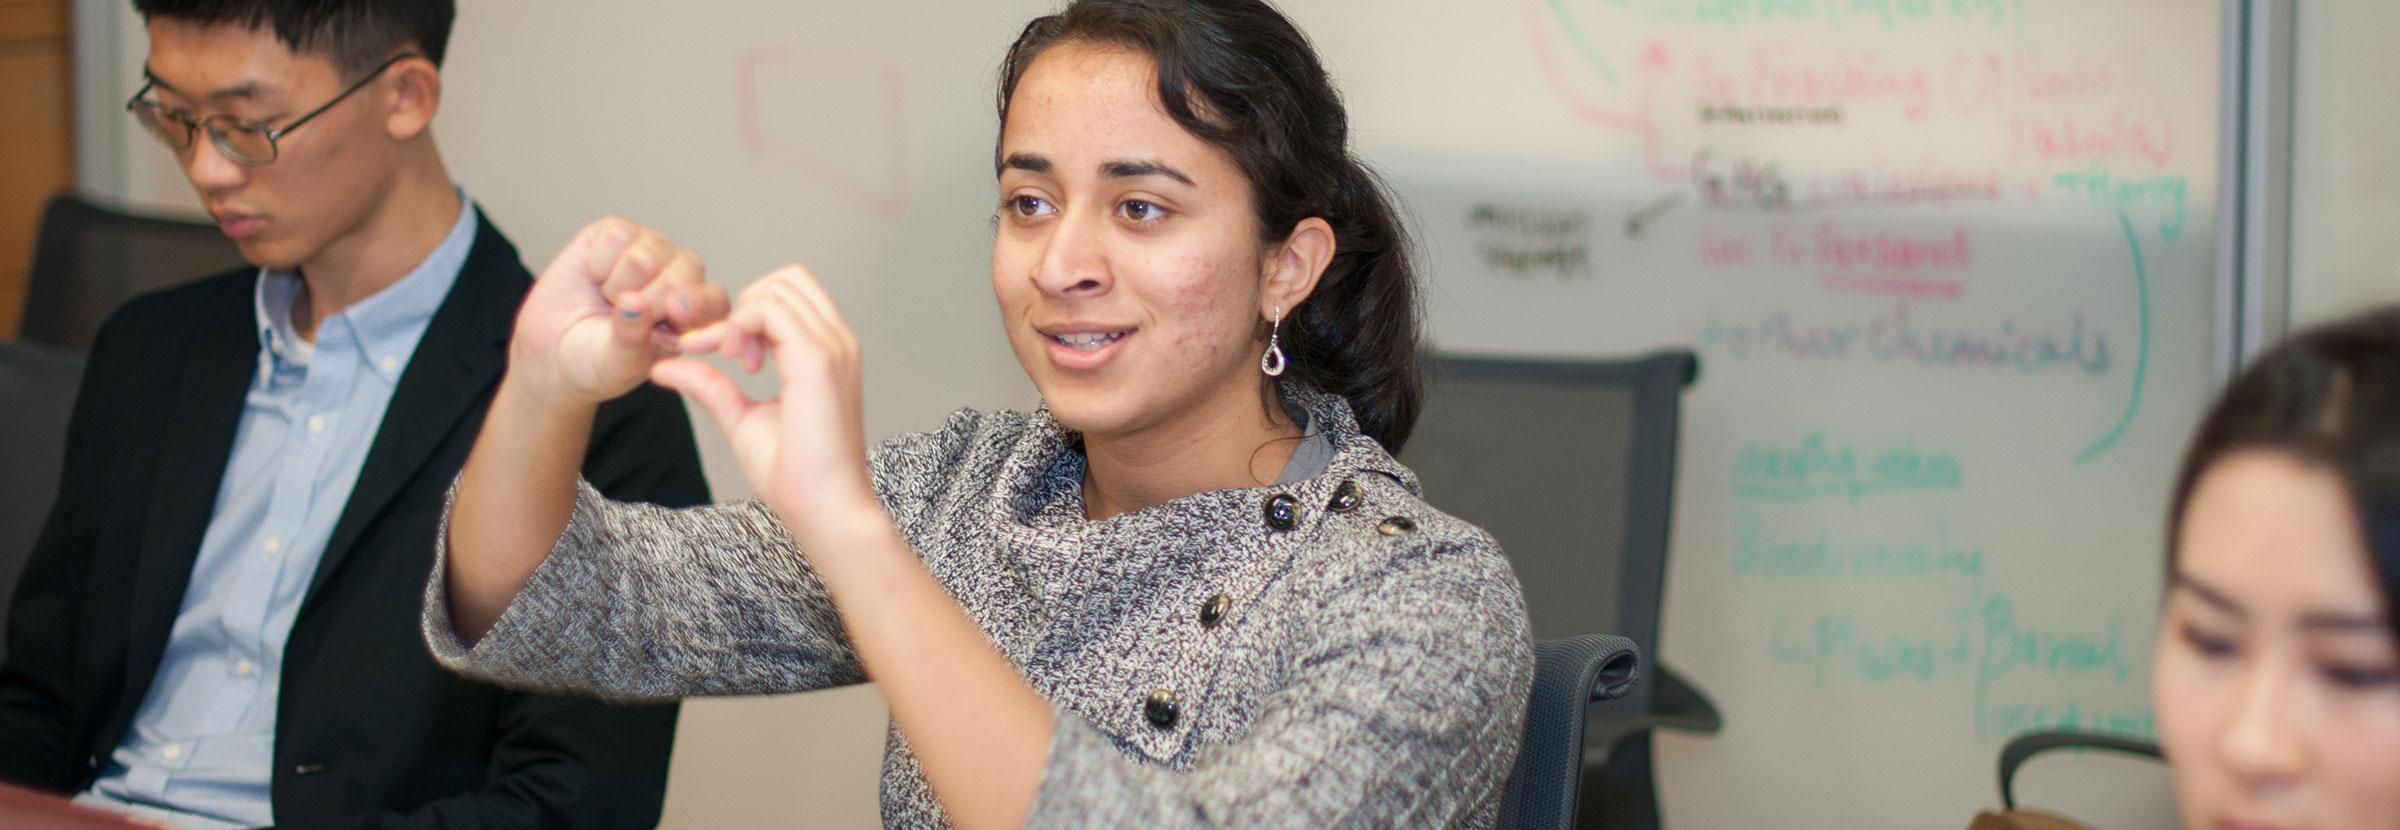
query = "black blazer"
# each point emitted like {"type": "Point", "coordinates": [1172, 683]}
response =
{"type": "Point", "coordinates": [369, 731]}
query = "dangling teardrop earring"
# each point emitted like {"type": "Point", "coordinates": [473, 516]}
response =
{"type": "Point", "coordinates": [1273, 362]}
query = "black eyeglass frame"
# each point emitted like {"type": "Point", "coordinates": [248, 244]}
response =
{"type": "Point", "coordinates": [216, 125]}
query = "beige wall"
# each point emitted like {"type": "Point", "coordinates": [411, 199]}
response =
{"type": "Point", "coordinates": [809, 760]}
{"type": "Point", "coordinates": [2346, 174]}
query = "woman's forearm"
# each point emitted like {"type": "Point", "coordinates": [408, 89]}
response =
{"type": "Point", "coordinates": [513, 501]}
{"type": "Point", "coordinates": [979, 731]}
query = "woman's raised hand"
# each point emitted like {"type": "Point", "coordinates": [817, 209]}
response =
{"type": "Point", "coordinates": [803, 451]}
{"type": "Point", "coordinates": [604, 310]}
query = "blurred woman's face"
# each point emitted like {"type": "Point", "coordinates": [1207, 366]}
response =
{"type": "Point", "coordinates": [2277, 680]}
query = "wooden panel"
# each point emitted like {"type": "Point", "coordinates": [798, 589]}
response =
{"type": "Point", "coordinates": [12, 303]}
{"type": "Point", "coordinates": [36, 158]}
{"type": "Point", "coordinates": [32, 20]}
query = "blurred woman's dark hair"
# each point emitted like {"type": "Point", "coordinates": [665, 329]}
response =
{"type": "Point", "coordinates": [2330, 397]}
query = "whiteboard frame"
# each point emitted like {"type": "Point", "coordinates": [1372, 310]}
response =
{"type": "Point", "coordinates": [100, 118]}
{"type": "Point", "coordinates": [2254, 205]}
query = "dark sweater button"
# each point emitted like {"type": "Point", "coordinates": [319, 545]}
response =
{"type": "Point", "coordinates": [1396, 525]}
{"type": "Point", "coordinates": [1283, 512]}
{"type": "Point", "coordinates": [1213, 611]}
{"type": "Point", "coordinates": [1160, 709]}
{"type": "Point", "coordinates": [1346, 497]}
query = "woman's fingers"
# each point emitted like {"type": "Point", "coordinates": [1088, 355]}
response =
{"type": "Point", "coordinates": [705, 339]}
{"type": "Point", "coordinates": [782, 289]}
{"type": "Point", "coordinates": [574, 260]}
{"type": "Point", "coordinates": [603, 242]}
{"type": "Point", "coordinates": [633, 321]}
{"type": "Point", "coordinates": [682, 294]}
{"type": "Point", "coordinates": [786, 314]}
{"type": "Point", "coordinates": [624, 257]}
{"type": "Point", "coordinates": [800, 447]}
{"type": "Point", "coordinates": [805, 286]}
{"type": "Point", "coordinates": [643, 260]}
{"type": "Point", "coordinates": [811, 310]}
{"type": "Point", "coordinates": [717, 395]}
{"type": "Point", "coordinates": [791, 336]}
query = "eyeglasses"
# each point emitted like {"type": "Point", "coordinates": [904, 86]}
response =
{"type": "Point", "coordinates": [245, 142]}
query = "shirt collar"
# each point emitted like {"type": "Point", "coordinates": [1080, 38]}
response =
{"type": "Point", "coordinates": [384, 327]}
{"type": "Point", "coordinates": [1049, 465]}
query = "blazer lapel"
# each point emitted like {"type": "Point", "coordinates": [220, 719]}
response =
{"type": "Point", "coordinates": [453, 369]}
{"type": "Point", "coordinates": [221, 354]}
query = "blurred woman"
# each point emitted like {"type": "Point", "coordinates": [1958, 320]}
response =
{"type": "Point", "coordinates": [2277, 680]}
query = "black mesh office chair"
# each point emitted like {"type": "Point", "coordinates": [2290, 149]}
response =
{"type": "Point", "coordinates": [90, 260]}
{"type": "Point", "coordinates": [1571, 466]}
{"type": "Point", "coordinates": [1568, 676]}
{"type": "Point", "coordinates": [37, 391]}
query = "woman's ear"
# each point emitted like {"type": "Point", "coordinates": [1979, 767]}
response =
{"type": "Point", "coordinates": [416, 95]}
{"type": "Point", "coordinates": [1294, 266]}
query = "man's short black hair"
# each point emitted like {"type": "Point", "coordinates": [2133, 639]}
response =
{"type": "Point", "coordinates": [356, 34]}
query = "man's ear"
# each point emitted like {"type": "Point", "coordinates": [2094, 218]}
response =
{"type": "Point", "coordinates": [1293, 267]}
{"type": "Point", "coordinates": [415, 92]}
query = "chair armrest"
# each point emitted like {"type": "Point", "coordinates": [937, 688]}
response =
{"type": "Point", "coordinates": [1674, 704]}
{"type": "Point", "coordinates": [1603, 666]}
{"type": "Point", "coordinates": [2023, 747]}
{"type": "Point", "coordinates": [1568, 676]}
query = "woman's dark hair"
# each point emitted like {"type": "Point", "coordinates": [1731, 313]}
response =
{"type": "Point", "coordinates": [1239, 76]}
{"type": "Point", "coordinates": [2330, 397]}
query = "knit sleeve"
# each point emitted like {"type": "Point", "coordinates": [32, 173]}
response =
{"type": "Point", "coordinates": [1405, 712]}
{"type": "Point", "coordinates": [638, 602]}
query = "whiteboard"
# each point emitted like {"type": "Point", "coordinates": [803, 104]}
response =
{"type": "Point", "coordinates": [1949, 269]}
{"type": "Point", "coordinates": [1947, 264]}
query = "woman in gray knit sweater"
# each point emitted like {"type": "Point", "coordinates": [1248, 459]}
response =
{"type": "Point", "coordinates": [1193, 589]}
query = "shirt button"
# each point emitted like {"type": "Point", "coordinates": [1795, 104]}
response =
{"type": "Point", "coordinates": [1346, 497]}
{"type": "Point", "coordinates": [272, 546]}
{"type": "Point", "coordinates": [172, 752]}
{"type": "Point", "coordinates": [391, 364]}
{"type": "Point", "coordinates": [1395, 526]}
{"type": "Point", "coordinates": [1160, 709]}
{"type": "Point", "coordinates": [243, 668]}
{"type": "Point", "coordinates": [1213, 611]}
{"type": "Point", "coordinates": [316, 423]}
{"type": "Point", "coordinates": [1283, 512]}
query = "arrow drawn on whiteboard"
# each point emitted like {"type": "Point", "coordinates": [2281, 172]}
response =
{"type": "Point", "coordinates": [2141, 363]}
{"type": "Point", "coordinates": [1642, 123]}
{"type": "Point", "coordinates": [1638, 220]}
{"type": "Point", "coordinates": [856, 149]}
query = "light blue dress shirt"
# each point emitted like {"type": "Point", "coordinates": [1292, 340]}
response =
{"type": "Point", "coordinates": [201, 748]}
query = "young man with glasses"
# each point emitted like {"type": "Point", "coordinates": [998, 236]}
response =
{"type": "Point", "coordinates": [219, 625]}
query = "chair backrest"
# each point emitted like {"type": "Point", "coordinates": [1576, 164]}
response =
{"type": "Point", "coordinates": [1568, 675]}
{"type": "Point", "coordinates": [90, 260]}
{"type": "Point", "coordinates": [1571, 467]}
{"type": "Point", "coordinates": [37, 391]}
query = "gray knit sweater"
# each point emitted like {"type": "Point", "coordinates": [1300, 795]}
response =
{"type": "Point", "coordinates": [1324, 653]}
